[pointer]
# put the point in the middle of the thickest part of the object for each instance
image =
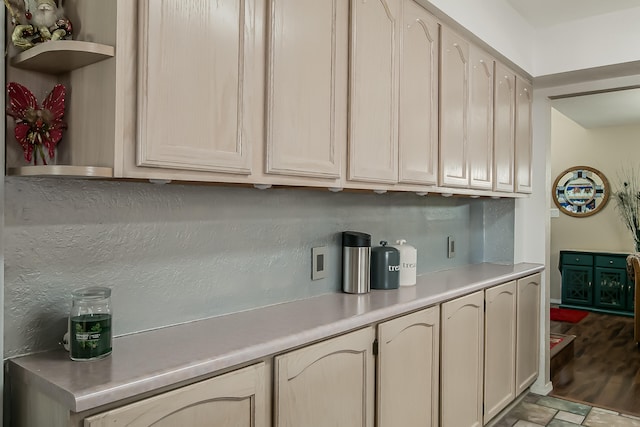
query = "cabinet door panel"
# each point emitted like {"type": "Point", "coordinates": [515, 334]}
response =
{"type": "Point", "coordinates": [454, 109]}
{"type": "Point", "coordinates": [480, 120]}
{"type": "Point", "coordinates": [408, 366]}
{"type": "Point", "coordinates": [306, 90]}
{"type": "Point", "coordinates": [504, 130]}
{"type": "Point", "coordinates": [577, 285]}
{"type": "Point", "coordinates": [236, 399]}
{"type": "Point", "coordinates": [500, 349]}
{"type": "Point", "coordinates": [528, 332]}
{"type": "Point", "coordinates": [327, 384]}
{"type": "Point", "coordinates": [462, 361]}
{"type": "Point", "coordinates": [524, 145]}
{"type": "Point", "coordinates": [195, 116]}
{"type": "Point", "coordinates": [373, 101]}
{"type": "Point", "coordinates": [418, 118]}
{"type": "Point", "coordinates": [610, 288]}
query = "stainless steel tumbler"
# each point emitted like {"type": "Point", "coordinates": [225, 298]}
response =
{"type": "Point", "coordinates": [356, 258]}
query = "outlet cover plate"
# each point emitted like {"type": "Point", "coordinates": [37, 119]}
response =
{"type": "Point", "coordinates": [451, 247]}
{"type": "Point", "coordinates": [318, 263]}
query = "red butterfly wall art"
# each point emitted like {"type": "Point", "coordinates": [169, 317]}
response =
{"type": "Point", "coordinates": [37, 127]}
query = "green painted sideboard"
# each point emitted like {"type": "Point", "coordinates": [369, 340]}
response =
{"type": "Point", "coordinates": [596, 281]}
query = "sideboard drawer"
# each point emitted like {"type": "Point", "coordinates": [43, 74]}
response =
{"type": "Point", "coordinates": [611, 261]}
{"type": "Point", "coordinates": [577, 259]}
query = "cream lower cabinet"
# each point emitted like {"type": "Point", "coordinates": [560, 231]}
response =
{"type": "Point", "coordinates": [512, 327]}
{"type": "Point", "coordinates": [490, 351]}
{"type": "Point", "coordinates": [528, 331]}
{"type": "Point", "coordinates": [500, 349]}
{"type": "Point", "coordinates": [408, 370]}
{"type": "Point", "coordinates": [436, 367]}
{"type": "Point", "coordinates": [462, 361]}
{"type": "Point", "coordinates": [236, 399]}
{"type": "Point", "coordinates": [327, 384]}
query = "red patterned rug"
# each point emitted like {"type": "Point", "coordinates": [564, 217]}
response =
{"type": "Point", "coordinates": [554, 340]}
{"type": "Point", "coordinates": [567, 315]}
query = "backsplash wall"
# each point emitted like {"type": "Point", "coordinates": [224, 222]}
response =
{"type": "Point", "coordinates": [178, 253]}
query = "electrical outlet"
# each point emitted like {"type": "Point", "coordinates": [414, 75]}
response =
{"type": "Point", "coordinates": [318, 263]}
{"type": "Point", "coordinates": [451, 247]}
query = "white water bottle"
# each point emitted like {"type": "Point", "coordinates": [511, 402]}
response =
{"type": "Point", "coordinates": [408, 261]}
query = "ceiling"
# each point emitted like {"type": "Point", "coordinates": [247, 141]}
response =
{"type": "Point", "coordinates": [619, 108]}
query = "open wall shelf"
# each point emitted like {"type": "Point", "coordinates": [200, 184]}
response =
{"type": "Point", "coordinates": [61, 56]}
{"type": "Point", "coordinates": [62, 171]}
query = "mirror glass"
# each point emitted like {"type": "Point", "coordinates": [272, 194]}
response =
{"type": "Point", "coordinates": [581, 191]}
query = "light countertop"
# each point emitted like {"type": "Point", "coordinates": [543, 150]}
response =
{"type": "Point", "coordinates": [157, 359]}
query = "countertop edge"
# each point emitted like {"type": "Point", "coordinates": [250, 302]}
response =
{"type": "Point", "coordinates": [26, 369]}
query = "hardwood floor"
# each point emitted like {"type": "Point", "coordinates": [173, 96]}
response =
{"type": "Point", "coordinates": [605, 370]}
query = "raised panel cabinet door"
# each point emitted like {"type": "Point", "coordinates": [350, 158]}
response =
{"type": "Point", "coordinates": [462, 360]}
{"type": "Point", "coordinates": [418, 118]}
{"type": "Point", "coordinates": [373, 91]}
{"type": "Point", "coordinates": [528, 332]}
{"type": "Point", "coordinates": [408, 370]}
{"type": "Point", "coordinates": [480, 119]}
{"type": "Point", "coordinates": [236, 399]}
{"type": "Point", "coordinates": [454, 110]}
{"type": "Point", "coordinates": [499, 349]}
{"type": "Point", "coordinates": [504, 129]}
{"type": "Point", "coordinates": [524, 143]}
{"type": "Point", "coordinates": [196, 94]}
{"type": "Point", "coordinates": [307, 87]}
{"type": "Point", "coordinates": [328, 384]}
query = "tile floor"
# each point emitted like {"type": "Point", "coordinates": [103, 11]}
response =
{"type": "Point", "coordinates": [537, 411]}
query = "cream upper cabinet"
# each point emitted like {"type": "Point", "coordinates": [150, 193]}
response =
{"type": "Point", "coordinates": [528, 332]}
{"type": "Point", "coordinates": [328, 384]}
{"type": "Point", "coordinates": [454, 110]}
{"type": "Point", "coordinates": [500, 349]}
{"type": "Point", "coordinates": [307, 87]}
{"type": "Point", "coordinates": [480, 119]}
{"type": "Point", "coordinates": [373, 91]}
{"type": "Point", "coordinates": [194, 87]}
{"type": "Point", "coordinates": [524, 145]}
{"type": "Point", "coordinates": [504, 129]}
{"type": "Point", "coordinates": [236, 399]}
{"type": "Point", "coordinates": [418, 114]}
{"type": "Point", "coordinates": [408, 370]}
{"type": "Point", "coordinates": [462, 361]}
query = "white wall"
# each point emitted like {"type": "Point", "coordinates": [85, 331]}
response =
{"type": "Point", "coordinates": [588, 43]}
{"type": "Point", "coordinates": [497, 24]}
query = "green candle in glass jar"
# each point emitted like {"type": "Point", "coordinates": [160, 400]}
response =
{"type": "Point", "coordinates": [90, 324]}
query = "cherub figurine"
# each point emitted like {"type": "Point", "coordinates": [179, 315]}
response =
{"type": "Point", "coordinates": [37, 21]}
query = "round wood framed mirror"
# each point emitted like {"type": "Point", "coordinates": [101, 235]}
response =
{"type": "Point", "coordinates": [581, 191]}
